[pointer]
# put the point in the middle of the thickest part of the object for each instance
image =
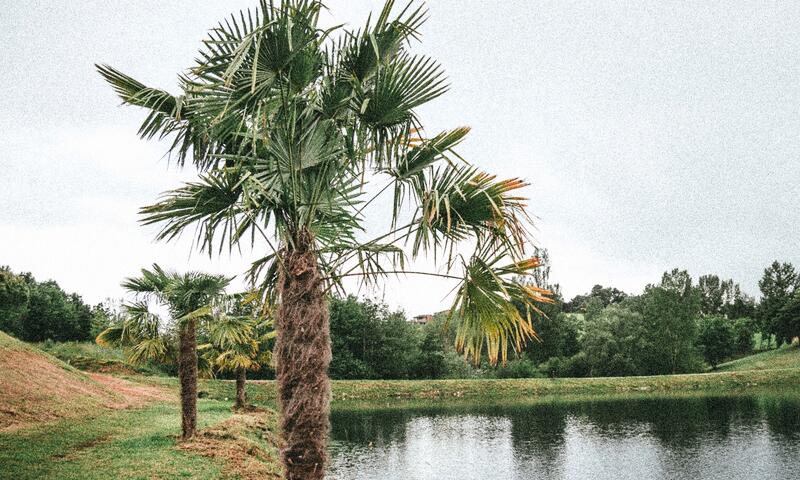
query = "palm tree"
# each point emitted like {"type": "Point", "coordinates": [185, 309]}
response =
{"type": "Point", "coordinates": [240, 343]}
{"type": "Point", "coordinates": [290, 126]}
{"type": "Point", "coordinates": [147, 336]}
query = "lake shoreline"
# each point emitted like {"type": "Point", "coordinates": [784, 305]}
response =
{"type": "Point", "coordinates": [735, 382]}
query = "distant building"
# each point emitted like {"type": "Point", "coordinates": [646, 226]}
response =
{"type": "Point", "coordinates": [422, 319]}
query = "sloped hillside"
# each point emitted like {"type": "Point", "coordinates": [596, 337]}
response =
{"type": "Point", "coordinates": [36, 387]}
{"type": "Point", "coordinates": [787, 356]}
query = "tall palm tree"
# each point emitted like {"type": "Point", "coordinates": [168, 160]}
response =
{"type": "Point", "coordinates": [290, 126]}
{"type": "Point", "coordinates": [147, 336]}
{"type": "Point", "coordinates": [240, 342]}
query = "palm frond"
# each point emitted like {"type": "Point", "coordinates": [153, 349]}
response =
{"type": "Point", "coordinates": [459, 202]}
{"type": "Point", "coordinates": [148, 349]}
{"type": "Point", "coordinates": [152, 282]}
{"type": "Point", "coordinates": [484, 308]}
{"type": "Point", "coordinates": [212, 205]}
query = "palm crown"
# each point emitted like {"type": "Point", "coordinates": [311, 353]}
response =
{"type": "Point", "coordinates": [288, 123]}
{"type": "Point", "coordinates": [149, 336]}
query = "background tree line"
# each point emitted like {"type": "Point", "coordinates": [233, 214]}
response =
{"type": "Point", "coordinates": [35, 311]}
{"type": "Point", "coordinates": [675, 326]}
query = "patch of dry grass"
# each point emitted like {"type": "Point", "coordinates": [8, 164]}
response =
{"type": "Point", "coordinates": [247, 444]}
{"type": "Point", "coordinates": [36, 387]}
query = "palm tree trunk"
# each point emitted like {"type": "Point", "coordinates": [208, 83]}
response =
{"type": "Point", "coordinates": [241, 395]}
{"type": "Point", "coordinates": [187, 374]}
{"type": "Point", "coordinates": [303, 353]}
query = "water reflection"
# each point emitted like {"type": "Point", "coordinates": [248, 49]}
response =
{"type": "Point", "coordinates": [660, 438]}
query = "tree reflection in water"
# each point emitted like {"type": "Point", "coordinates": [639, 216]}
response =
{"type": "Point", "coordinates": [646, 437]}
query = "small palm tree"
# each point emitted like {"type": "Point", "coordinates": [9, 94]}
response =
{"type": "Point", "coordinates": [240, 343]}
{"type": "Point", "coordinates": [147, 336]}
{"type": "Point", "coordinates": [290, 126]}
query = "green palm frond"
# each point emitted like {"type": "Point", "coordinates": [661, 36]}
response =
{"type": "Point", "coordinates": [206, 355]}
{"type": "Point", "coordinates": [165, 109]}
{"type": "Point", "coordinates": [372, 261]}
{"type": "Point", "coordinates": [377, 45]}
{"type": "Point", "coordinates": [168, 114]}
{"type": "Point", "coordinates": [424, 154]}
{"type": "Point", "coordinates": [460, 202]}
{"type": "Point", "coordinates": [231, 330]}
{"type": "Point", "coordinates": [409, 170]}
{"type": "Point", "coordinates": [111, 336]}
{"type": "Point", "coordinates": [148, 349]}
{"type": "Point", "coordinates": [403, 85]}
{"type": "Point", "coordinates": [212, 204]}
{"type": "Point", "coordinates": [484, 308]}
{"type": "Point", "coordinates": [139, 322]}
{"type": "Point", "coordinates": [232, 360]}
{"type": "Point", "coordinates": [151, 282]}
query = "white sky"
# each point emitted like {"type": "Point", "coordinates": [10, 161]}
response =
{"type": "Point", "coordinates": [655, 134]}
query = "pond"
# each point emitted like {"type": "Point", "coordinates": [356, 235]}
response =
{"type": "Point", "coordinates": [750, 437]}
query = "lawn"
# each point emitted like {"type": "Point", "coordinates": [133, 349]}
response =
{"type": "Point", "coordinates": [129, 444]}
{"type": "Point", "coordinates": [123, 444]}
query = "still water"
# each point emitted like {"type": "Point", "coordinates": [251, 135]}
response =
{"type": "Point", "coordinates": [754, 437]}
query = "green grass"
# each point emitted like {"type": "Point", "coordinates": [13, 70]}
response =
{"type": "Point", "coordinates": [787, 356]}
{"type": "Point", "coordinates": [263, 392]}
{"type": "Point", "coordinates": [130, 444]}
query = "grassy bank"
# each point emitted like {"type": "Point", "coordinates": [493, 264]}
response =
{"type": "Point", "coordinates": [57, 422]}
{"type": "Point", "coordinates": [787, 356]}
{"type": "Point", "coordinates": [90, 357]}
{"type": "Point", "coordinates": [140, 444]}
{"type": "Point", "coordinates": [263, 392]}
{"type": "Point", "coordinates": [123, 444]}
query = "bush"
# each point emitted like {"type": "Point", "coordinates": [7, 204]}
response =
{"type": "Point", "coordinates": [456, 366]}
{"type": "Point", "coordinates": [519, 368]}
{"type": "Point", "coordinates": [566, 367]}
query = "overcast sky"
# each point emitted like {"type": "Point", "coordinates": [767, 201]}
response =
{"type": "Point", "coordinates": [655, 134]}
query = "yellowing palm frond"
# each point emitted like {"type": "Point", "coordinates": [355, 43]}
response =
{"type": "Point", "coordinates": [487, 306]}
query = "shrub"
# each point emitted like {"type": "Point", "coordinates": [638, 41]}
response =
{"type": "Point", "coordinates": [519, 368]}
{"type": "Point", "coordinates": [563, 367]}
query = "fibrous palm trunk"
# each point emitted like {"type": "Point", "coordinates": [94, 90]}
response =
{"type": "Point", "coordinates": [303, 353]}
{"type": "Point", "coordinates": [241, 395]}
{"type": "Point", "coordinates": [187, 374]}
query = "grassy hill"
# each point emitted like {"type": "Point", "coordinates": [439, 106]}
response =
{"type": "Point", "coordinates": [57, 422]}
{"type": "Point", "coordinates": [36, 387]}
{"type": "Point", "coordinates": [784, 357]}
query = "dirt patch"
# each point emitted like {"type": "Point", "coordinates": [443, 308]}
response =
{"type": "Point", "coordinates": [247, 444]}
